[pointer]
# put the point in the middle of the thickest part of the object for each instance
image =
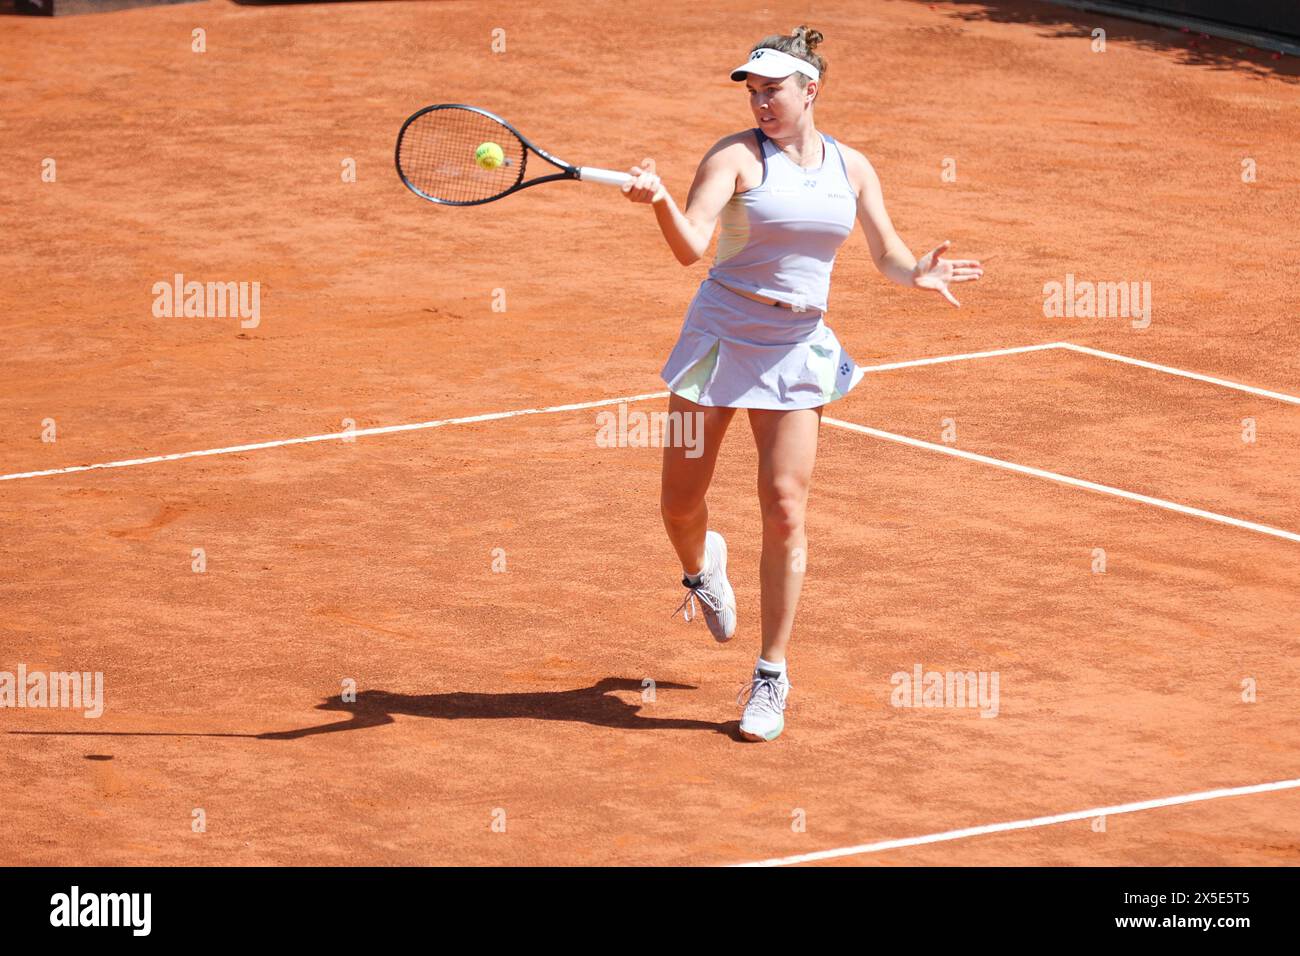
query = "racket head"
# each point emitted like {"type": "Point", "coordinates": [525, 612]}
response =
{"type": "Point", "coordinates": [435, 155]}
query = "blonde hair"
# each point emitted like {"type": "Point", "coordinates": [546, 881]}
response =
{"type": "Point", "coordinates": [801, 42]}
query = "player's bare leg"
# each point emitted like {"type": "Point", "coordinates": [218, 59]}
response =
{"type": "Point", "coordinates": [787, 450]}
{"type": "Point", "coordinates": [689, 457]}
{"type": "Point", "coordinates": [686, 478]}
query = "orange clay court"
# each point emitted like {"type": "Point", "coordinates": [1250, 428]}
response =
{"type": "Point", "coordinates": [498, 585]}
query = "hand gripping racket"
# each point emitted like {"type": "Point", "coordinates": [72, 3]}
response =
{"type": "Point", "coordinates": [436, 157]}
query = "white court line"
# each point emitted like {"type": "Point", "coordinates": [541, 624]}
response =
{"type": "Point", "coordinates": [387, 429]}
{"type": "Point", "coordinates": [1065, 479]}
{"type": "Point", "coordinates": [1026, 824]}
{"type": "Point", "coordinates": [1098, 353]}
{"type": "Point", "coordinates": [333, 436]}
{"type": "Point", "coordinates": [1170, 370]}
{"type": "Point", "coordinates": [912, 363]}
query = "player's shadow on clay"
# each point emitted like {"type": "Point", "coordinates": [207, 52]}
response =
{"type": "Point", "coordinates": [589, 705]}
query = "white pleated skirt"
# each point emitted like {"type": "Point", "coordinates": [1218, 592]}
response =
{"type": "Point", "coordinates": [734, 352]}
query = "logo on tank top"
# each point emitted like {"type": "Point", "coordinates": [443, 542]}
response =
{"type": "Point", "coordinates": [810, 183]}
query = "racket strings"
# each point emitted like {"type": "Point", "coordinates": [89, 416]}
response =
{"type": "Point", "coordinates": [436, 156]}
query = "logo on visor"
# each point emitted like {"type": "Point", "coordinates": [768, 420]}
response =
{"type": "Point", "coordinates": [756, 54]}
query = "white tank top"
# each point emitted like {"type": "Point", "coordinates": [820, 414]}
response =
{"type": "Point", "coordinates": [780, 238]}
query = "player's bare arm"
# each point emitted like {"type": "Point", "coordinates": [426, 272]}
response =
{"type": "Point", "coordinates": [689, 233]}
{"type": "Point", "coordinates": [888, 251]}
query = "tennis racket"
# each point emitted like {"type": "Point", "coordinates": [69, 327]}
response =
{"type": "Point", "coordinates": [435, 157]}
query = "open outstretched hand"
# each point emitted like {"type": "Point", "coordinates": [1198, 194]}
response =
{"type": "Point", "coordinates": [931, 272]}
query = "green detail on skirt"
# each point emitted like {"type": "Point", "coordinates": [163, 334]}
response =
{"type": "Point", "coordinates": [697, 376]}
{"type": "Point", "coordinates": [826, 372]}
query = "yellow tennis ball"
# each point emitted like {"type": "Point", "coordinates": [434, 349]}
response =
{"type": "Point", "coordinates": [489, 155]}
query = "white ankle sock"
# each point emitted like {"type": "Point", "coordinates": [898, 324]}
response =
{"type": "Point", "coordinates": [697, 578]}
{"type": "Point", "coordinates": [769, 666]}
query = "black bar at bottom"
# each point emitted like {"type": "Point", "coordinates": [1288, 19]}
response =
{"type": "Point", "coordinates": [298, 905]}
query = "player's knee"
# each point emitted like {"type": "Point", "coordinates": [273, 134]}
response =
{"type": "Point", "coordinates": [783, 512]}
{"type": "Point", "coordinates": [677, 508]}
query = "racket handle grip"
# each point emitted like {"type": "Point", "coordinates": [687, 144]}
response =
{"type": "Point", "coordinates": [609, 177]}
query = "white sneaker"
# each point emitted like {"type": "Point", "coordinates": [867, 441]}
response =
{"type": "Point", "coordinates": [714, 591]}
{"type": "Point", "coordinates": [764, 702]}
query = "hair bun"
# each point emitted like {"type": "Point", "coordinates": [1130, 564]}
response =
{"type": "Point", "coordinates": [809, 36]}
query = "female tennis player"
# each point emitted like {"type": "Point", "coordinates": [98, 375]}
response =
{"type": "Point", "coordinates": [754, 336]}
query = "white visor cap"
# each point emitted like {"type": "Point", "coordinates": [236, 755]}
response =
{"type": "Point", "coordinates": [775, 64]}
